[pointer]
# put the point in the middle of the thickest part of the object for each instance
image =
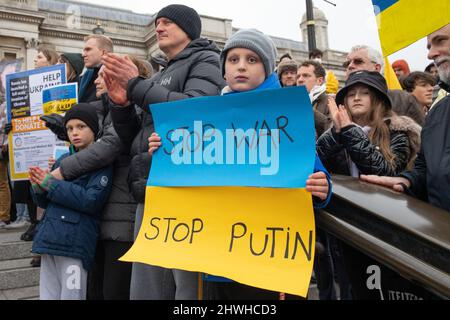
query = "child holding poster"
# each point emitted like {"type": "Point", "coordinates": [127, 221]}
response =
{"type": "Point", "coordinates": [67, 234]}
{"type": "Point", "coordinates": [248, 63]}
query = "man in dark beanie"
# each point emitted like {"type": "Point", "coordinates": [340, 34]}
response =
{"type": "Point", "coordinates": [192, 70]}
{"type": "Point", "coordinates": [184, 17]}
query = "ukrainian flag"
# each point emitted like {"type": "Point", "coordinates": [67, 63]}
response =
{"type": "Point", "coordinates": [403, 22]}
{"type": "Point", "coordinates": [390, 76]}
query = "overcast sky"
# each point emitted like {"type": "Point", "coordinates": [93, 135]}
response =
{"type": "Point", "coordinates": [351, 22]}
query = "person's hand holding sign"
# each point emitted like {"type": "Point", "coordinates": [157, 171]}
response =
{"type": "Point", "coordinates": [339, 115]}
{"type": "Point", "coordinates": [317, 184]}
{"type": "Point", "coordinates": [154, 142]}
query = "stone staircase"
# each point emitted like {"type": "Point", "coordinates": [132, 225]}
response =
{"type": "Point", "coordinates": [18, 280]}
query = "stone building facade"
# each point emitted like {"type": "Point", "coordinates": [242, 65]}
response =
{"type": "Point", "coordinates": [62, 25]}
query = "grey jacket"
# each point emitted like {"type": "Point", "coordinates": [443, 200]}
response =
{"type": "Point", "coordinates": [117, 219]}
{"type": "Point", "coordinates": [194, 72]}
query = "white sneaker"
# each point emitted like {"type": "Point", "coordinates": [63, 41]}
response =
{"type": "Point", "coordinates": [3, 225]}
{"type": "Point", "coordinates": [17, 224]}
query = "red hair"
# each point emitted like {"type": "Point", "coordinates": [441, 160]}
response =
{"type": "Point", "coordinates": [401, 64]}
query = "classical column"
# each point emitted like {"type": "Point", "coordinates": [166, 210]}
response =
{"type": "Point", "coordinates": [31, 45]}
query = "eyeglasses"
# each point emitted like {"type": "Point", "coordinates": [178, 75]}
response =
{"type": "Point", "coordinates": [356, 61]}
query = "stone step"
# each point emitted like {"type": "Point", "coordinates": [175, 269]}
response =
{"type": "Point", "coordinates": [28, 293]}
{"type": "Point", "coordinates": [19, 278]}
{"type": "Point", "coordinates": [10, 235]}
{"type": "Point", "coordinates": [15, 250]}
{"type": "Point", "coordinates": [11, 247]}
{"type": "Point", "coordinates": [15, 264]}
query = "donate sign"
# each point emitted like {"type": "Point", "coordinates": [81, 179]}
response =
{"type": "Point", "coordinates": [226, 196]}
{"type": "Point", "coordinates": [30, 142]}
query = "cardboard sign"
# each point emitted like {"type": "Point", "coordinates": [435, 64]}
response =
{"type": "Point", "coordinates": [211, 207]}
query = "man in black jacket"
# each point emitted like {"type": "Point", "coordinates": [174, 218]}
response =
{"type": "Point", "coordinates": [429, 180]}
{"type": "Point", "coordinates": [192, 70]}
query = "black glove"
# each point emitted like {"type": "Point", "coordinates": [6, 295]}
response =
{"type": "Point", "coordinates": [55, 123]}
{"type": "Point", "coordinates": [8, 128]}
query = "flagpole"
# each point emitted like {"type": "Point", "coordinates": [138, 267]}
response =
{"type": "Point", "coordinates": [311, 25]}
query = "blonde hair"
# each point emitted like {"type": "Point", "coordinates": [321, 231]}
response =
{"type": "Point", "coordinates": [51, 55]}
{"type": "Point", "coordinates": [103, 42]}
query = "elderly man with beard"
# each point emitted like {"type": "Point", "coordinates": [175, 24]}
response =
{"type": "Point", "coordinates": [429, 178]}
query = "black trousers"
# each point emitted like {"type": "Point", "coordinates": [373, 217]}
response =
{"type": "Point", "coordinates": [109, 278]}
{"type": "Point", "coordinates": [324, 268]}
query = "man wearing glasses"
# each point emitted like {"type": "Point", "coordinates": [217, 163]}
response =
{"type": "Point", "coordinates": [363, 57]}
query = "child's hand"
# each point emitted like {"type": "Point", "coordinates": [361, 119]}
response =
{"type": "Point", "coordinates": [31, 174]}
{"type": "Point", "coordinates": [51, 162]}
{"type": "Point", "coordinates": [37, 175]}
{"type": "Point", "coordinates": [317, 184]}
{"type": "Point", "coordinates": [154, 142]}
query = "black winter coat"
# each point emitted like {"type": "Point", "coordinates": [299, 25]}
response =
{"type": "Point", "coordinates": [430, 178]}
{"type": "Point", "coordinates": [337, 150]}
{"type": "Point", "coordinates": [192, 73]}
{"type": "Point", "coordinates": [117, 219]}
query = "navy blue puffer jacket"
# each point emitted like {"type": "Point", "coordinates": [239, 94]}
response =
{"type": "Point", "coordinates": [70, 226]}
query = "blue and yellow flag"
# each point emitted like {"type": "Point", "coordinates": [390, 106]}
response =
{"type": "Point", "coordinates": [391, 78]}
{"type": "Point", "coordinates": [226, 191]}
{"type": "Point", "coordinates": [403, 22]}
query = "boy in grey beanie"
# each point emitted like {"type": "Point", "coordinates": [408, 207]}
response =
{"type": "Point", "coordinates": [256, 41]}
{"type": "Point", "coordinates": [248, 63]}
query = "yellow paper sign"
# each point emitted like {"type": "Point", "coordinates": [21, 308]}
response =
{"type": "Point", "coordinates": [58, 106]}
{"type": "Point", "coordinates": [262, 237]}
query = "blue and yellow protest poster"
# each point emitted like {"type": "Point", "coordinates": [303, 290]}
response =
{"type": "Point", "coordinates": [30, 142]}
{"type": "Point", "coordinates": [60, 99]}
{"type": "Point", "coordinates": [226, 191]}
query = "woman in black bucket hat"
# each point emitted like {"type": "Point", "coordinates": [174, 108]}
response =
{"type": "Point", "coordinates": [368, 138]}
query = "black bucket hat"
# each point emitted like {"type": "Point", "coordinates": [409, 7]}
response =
{"type": "Point", "coordinates": [372, 79]}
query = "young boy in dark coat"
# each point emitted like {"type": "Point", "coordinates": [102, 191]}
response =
{"type": "Point", "coordinates": [67, 235]}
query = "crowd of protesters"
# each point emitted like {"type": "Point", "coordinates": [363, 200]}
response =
{"type": "Point", "coordinates": [93, 197]}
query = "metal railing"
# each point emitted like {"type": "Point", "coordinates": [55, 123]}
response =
{"type": "Point", "coordinates": [407, 235]}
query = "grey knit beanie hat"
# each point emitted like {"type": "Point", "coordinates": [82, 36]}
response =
{"type": "Point", "coordinates": [256, 41]}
